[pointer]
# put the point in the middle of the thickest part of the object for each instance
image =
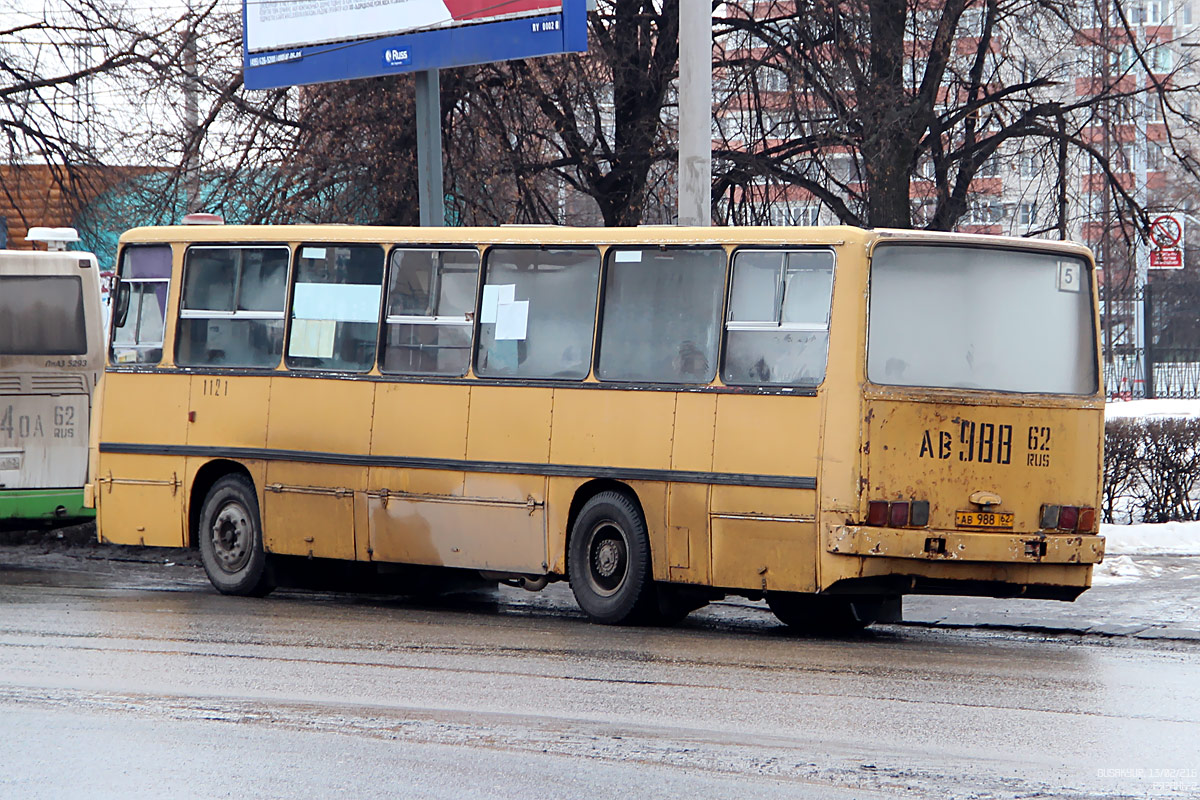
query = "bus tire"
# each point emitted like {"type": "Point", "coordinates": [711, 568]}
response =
{"type": "Point", "coordinates": [817, 614]}
{"type": "Point", "coordinates": [608, 561]}
{"type": "Point", "coordinates": [230, 538]}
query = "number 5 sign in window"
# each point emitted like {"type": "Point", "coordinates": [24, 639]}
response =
{"type": "Point", "coordinates": [1070, 276]}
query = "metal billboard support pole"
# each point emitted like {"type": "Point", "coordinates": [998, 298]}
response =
{"type": "Point", "coordinates": [695, 113]}
{"type": "Point", "coordinates": [431, 196]}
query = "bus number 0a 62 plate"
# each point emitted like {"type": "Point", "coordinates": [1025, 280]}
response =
{"type": "Point", "coordinates": [983, 519]}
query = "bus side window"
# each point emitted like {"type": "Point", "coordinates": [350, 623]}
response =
{"type": "Point", "coordinates": [778, 326]}
{"type": "Point", "coordinates": [141, 305]}
{"type": "Point", "coordinates": [232, 310]}
{"type": "Point", "coordinates": [431, 300]}
{"type": "Point", "coordinates": [335, 307]}
{"type": "Point", "coordinates": [538, 312]}
{"type": "Point", "coordinates": [661, 320]}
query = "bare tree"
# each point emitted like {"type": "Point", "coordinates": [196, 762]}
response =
{"type": "Point", "coordinates": [57, 69]}
{"type": "Point", "coordinates": [886, 107]}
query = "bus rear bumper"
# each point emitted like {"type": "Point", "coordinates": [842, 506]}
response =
{"type": "Point", "coordinates": [935, 545]}
{"type": "Point", "coordinates": [44, 504]}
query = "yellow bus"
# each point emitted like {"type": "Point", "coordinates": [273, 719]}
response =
{"type": "Point", "coordinates": [828, 418]}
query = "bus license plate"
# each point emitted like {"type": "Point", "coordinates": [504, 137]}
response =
{"type": "Point", "coordinates": [983, 519]}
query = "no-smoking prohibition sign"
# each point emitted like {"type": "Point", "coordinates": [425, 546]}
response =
{"type": "Point", "coordinates": [1166, 234]}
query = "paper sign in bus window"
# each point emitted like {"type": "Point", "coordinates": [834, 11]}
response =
{"type": "Point", "coordinates": [312, 338]}
{"type": "Point", "coordinates": [493, 295]}
{"type": "Point", "coordinates": [512, 320]}
{"type": "Point", "coordinates": [341, 302]}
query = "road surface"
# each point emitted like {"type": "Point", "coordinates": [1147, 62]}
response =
{"type": "Point", "coordinates": [126, 679]}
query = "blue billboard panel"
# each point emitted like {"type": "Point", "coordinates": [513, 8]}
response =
{"type": "Point", "coordinates": [274, 54]}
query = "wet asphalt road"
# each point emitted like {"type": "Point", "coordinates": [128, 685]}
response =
{"type": "Point", "coordinates": [125, 679]}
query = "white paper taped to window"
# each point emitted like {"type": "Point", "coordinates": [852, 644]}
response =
{"type": "Point", "coordinates": [627, 255]}
{"type": "Point", "coordinates": [512, 320]}
{"type": "Point", "coordinates": [312, 338]}
{"type": "Point", "coordinates": [316, 253]}
{"type": "Point", "coordinates": [336, 301]}
{"type": "Point", "coordinates": [493, 295]}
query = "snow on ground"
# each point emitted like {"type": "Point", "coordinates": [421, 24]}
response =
{"type": "Point", "coordinates": [1162, 539]}
{"type": "Point", "coordinates": [1126, 409]}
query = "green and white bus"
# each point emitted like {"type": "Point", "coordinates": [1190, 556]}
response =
{"type": "Point", "coordinates": [51, 352]}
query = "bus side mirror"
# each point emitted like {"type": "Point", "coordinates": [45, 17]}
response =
{"type": "Point", "coordinates": [121, 304]}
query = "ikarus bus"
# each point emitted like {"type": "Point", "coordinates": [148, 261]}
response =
{"type": "Point", "coordinates": [51, 347]}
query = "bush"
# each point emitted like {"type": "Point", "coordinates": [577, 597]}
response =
{"type": "Point", "coordinates": [1151, 470]}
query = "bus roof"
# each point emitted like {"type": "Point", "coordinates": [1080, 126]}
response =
{"type": "Point", "coordinates": [560, 234]}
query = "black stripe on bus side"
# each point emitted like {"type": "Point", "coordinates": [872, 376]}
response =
{"type": "Point", "coordinates": [460, 465]}
{"type": "Point", "coordinates": [537, 383]}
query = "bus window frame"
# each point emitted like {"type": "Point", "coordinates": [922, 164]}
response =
{"type": "Point", "coordinates": [777, 388]}
{"type": "Point", "coordinates": [119, 280]}
{"type": "Point", "coordinates": [185, 313]}
{"type": "Point", "coordinates": [470, 318]}
{"type": "Point", "coordinates": [289, 310]}
{"type": "Point", "coordinates": [1090, 269]}
{"type": "Point", "coordinates": [599, 250]}
{"type": "Point", "coordinates": [601, 300]}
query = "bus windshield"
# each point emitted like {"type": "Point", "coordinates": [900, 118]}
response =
{"type": "Point", "coordinates": [976, 318]}
{"type": "Point", "coordinates": [41, 315]}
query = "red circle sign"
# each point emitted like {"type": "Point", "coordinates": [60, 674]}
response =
{"type": "Point", "coordinates": [1166, 231]}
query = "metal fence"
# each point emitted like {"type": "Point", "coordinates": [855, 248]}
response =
{"type": "Point", "coordinates": [1151, 340]}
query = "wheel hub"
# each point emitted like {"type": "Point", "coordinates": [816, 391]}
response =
{"type": "Point", "coordinates": [231, 537]}
{"type": "Point", "coordinates": [608, 556]}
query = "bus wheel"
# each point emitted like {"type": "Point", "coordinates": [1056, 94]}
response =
{"type": "Point", "coordinates": [231, 539]}
{"type": "Point", "coordinates": [806, 613]}
{"type": "Point", "coordinates": [609, 561]}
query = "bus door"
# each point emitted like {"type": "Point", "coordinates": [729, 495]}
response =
{"type": "Point", "coordinates": [983, 421]}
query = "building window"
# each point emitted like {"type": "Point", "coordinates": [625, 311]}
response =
{"type": "Point", "coordinates": [1027, 214]}
{"type": "Point", "coordinates": [232, 309]}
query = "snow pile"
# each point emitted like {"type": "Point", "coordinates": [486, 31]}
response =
{"type": "Point", "coordinates": [1123, 569]}
{"type": "Point", "coordinates": [1163, 539]}
{"type": "Point", "coordinates": [1128, 409]}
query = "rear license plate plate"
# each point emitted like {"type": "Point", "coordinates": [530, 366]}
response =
{"type": "Point", "coordinates": [983, 519]}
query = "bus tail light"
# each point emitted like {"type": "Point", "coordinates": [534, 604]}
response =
{"type": "Point", "coordinates": [901, 514]}
{"type": "Point", "coordinates": [1068, 518]}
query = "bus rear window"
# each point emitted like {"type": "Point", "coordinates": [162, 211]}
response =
{"type": "Point", "coordinates": [42, 315]}
{"type": "Point", "coordinates": [979, 318]}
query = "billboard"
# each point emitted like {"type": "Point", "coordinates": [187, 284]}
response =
{"type": "Point", "coordinates": [292, 42]}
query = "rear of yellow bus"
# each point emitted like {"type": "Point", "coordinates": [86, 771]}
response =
{"type": "Point", "coordinates": [982, 424]}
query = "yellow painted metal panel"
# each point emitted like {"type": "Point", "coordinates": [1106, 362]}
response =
{"type": "Point", "coordinates": [767, 435]}
{"type": "Point", "coordinates": [764, 555]}
{"type": "Point", "coordinates": [140, 500]}
{"type": "Point", "coordinates": [321, 415]}
{"type": "Point", "coordinates": [229, 411]}
{"type": "Point", "coordinates": [767, 502]}
{"type": "Point", "coordinates": [505, 486]}
{"type": "Point", "coordinates": [653, 499]}
{"type": "Point", "coordinates": [509, 424]}
{"type": "Point", "coordinates": [695, 424]}
{"type": "Point", "coordinates": [144, 408]}
{"type": "Point", "coordinates": [945, 453]}
{"type": "Point", "coordinates": [559, 493]}
{"type": "Point", "coordinates": [688, 548]}
{"type": "Point", "coordinates": [420, 420]}
{"type": "Point", "coordinates": [612, 429]}
{"type": "Point", "coordinates": [458, 532]}
{"type": "Point", "coordinates": [308, 509]}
